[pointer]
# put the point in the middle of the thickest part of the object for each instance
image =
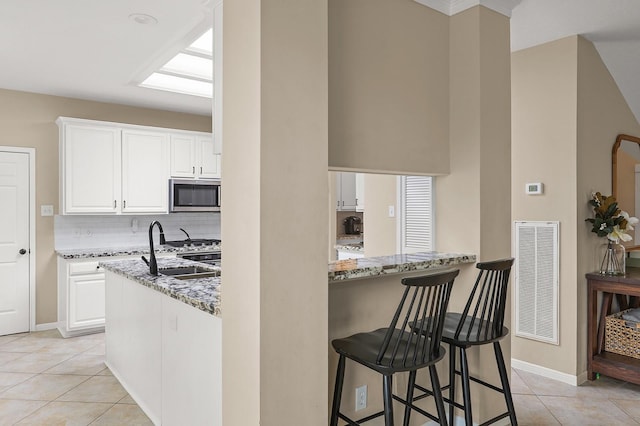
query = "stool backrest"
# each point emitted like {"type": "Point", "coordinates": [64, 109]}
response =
{"type": "Point", "coordinates": [424, 302]}
{"type": "Point", "coordinates": [487, 301]}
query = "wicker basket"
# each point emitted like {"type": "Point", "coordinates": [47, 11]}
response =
{"type": "Point", "coordinates": [622, 336]}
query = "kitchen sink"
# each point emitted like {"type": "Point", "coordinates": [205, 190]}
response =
{"type": "Point", "coordinates": [188, 272]}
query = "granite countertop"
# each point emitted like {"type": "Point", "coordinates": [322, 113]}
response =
{"type": "Point", "coordinates": [356, 247]}
{"type": "Point", "coordinates": [128, 251]}
{"type": "Point", "coordinates": [202, 293]}
{"type": "Point", "coordinates": [341, 270]}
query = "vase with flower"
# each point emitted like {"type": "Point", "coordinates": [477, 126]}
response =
{"type": "Point", "coordinates": [613, 223]}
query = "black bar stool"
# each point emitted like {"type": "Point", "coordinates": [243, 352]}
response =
{"type": "Point", "coordinates": [480, 323]}
{"type": "Point", "coordinates": [398, 349]}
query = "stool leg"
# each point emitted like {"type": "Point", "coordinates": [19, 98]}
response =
{"type": "Point", "coordinates": [437, 395]}
{"type": "Point", "coordinates": [337, 392]}
{"type": "Point", "coordinates": [504, 378]}
{"type": "Point", "coordinates": [388, 400]}
{"type": "Point", "coordinates": [452, 382]}
{"type": "Point", "coordinates": [466, 388]}
{"type": "Point", "coordinates": [410, 388]}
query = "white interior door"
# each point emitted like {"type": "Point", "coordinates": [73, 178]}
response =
{"type": "Point", "coordinates": [14, 242]}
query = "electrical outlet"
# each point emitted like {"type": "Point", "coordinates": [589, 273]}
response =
{"type": "Point", "coordinates": [46, 210]}
{"type": "Point", "coordinates": [392, 211]}
{"type": "Point", "coordinates": [361, 397]}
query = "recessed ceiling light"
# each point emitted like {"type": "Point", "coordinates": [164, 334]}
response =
{"type": "Point", "coordinates": [143, 19]}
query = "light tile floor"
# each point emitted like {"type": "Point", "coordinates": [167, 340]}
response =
{"type": "Point", "coordinates": [540, 401]}
{"type": "Point", "coordinates": [48, 380]}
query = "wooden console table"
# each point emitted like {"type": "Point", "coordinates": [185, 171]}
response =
{"type": "Point", "coordinates": [598, 360]}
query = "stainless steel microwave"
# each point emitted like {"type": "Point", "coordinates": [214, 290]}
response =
{"type": "Point", "coordinates": [189, 195]}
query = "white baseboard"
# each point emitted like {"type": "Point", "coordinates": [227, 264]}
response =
{"type": "Point", "coordinates": [549, 373]}
{"type": "Point", "coordinates": [46, 326]}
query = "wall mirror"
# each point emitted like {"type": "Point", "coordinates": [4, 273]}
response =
{"type": "Point", "coordinates": [626, 178]}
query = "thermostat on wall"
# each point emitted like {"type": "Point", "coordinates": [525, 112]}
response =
{"type": "Point", "coordinates": [534, 188]}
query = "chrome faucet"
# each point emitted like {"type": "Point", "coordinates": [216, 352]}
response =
{"type": "Point", "coordinates": [153, 264]}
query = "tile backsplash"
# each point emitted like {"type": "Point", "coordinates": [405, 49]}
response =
{"type": "Point", "coordinates": [80, 232]}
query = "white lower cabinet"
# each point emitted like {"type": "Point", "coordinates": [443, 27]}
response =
{"type": "Point", "coordinates": [80, 297]}
{"type": "Point", "coordinates": [344, 254]}
{"type": "Point", "coordinates": [81, 294]}
{"type": "Point", "coordinates": [166, 354]}
{"type": "Point", "coordinates": [191, 365]}
{"type": "Point", "coordinates": [134, 341]}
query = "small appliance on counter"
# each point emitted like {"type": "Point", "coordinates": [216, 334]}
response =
{"type": "Point", "coordinates": [352, 225]}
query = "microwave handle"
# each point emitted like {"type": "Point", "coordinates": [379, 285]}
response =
{"type": "Point", "coordinates": [219, 195]}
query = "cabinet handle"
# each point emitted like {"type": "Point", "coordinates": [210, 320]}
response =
{"type": "Point", "coordinates": [356, 201]}
{"type": "Point", "coordinates": [200, 169]}
{"type": "Point", "coordinates": [343, 204]}
{"type": "Point", "coordinates": [124, 204]}
{"type": "Point", "coordinates": [114, 204]}
{"type": "Point", "coordinates": [337, 203]}
{"type": "Point", "coordinates": [194, 170]}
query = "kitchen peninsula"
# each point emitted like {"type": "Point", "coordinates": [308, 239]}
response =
{"type": "Point", "coordinates": [163, 335]}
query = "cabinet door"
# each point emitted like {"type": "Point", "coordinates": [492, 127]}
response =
{"type": "Point", "coordinates": [209, 160]}
{"type": "Point", "coordinates": [141, 367]}
{"type": "Point", "coordinates": [347, 191]}
{"type": "Point", "coordinates": [191, 365]}
{"type": "Point", "coordinates": [86, 300]}
{"type": "Point", "coordinates": [183, 156]}
{"type": "Point", "coordinates": [145, 172]}
{"type": "Point", "coordinates": [91, 169]}
{"type": "Point", "coordinates": [360, 192]}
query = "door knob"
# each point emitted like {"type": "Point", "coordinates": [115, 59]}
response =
{"type": "Point", "coordinates": [22, 251]}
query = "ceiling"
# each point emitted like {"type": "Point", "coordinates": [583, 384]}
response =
{"type": "Point", "coordinates": [613, 26]}
{"type": "Point", "coordinates": [90, 49]}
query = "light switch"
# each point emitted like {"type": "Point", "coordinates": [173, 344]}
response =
{"type": "Point", "coordinates": [46, 210]}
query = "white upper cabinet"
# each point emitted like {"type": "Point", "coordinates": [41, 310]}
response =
{"type": "Point", "coordinates": [347, 191]}
{"type": "Point", "coordinates": [89, 169]}
{"type": "Point", "coordinates": [113, 168]}
{"type": "Point", "coordinates": [209, 160]}
{"type": "Point", "coordinates": [359, 192]}
{"type": "Point", "coordinates": [183, 155]}
{"type": "Point", "coordinates": [350, 191]}
{"type": "Point", "coordinates": [194, 156]}
{"type": "Point", "coordinates": [145, 164]}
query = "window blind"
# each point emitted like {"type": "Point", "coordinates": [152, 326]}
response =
{"type": "Point", "coordinates": [417, 213]}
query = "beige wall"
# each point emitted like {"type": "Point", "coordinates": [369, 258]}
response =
{"type": "Point", "coordinates": [544, 85]}
{"type": "Point", "coordinates": [274, 222]}
{"type": "Point", "coordinates": [380, 193]}
{"type": "Point", "coordinates": [28, 120]}
{"type": "Point", "coordinates": [602, 114]}
{"type": "Point", "coordinates": [566, 113]}
{"type": "Point", "coordinates": [388, 87]}
{"type": "Point", "coordinates": [473, 202]}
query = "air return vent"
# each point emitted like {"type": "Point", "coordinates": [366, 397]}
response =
{"type": "Point", "coordinates": [536, 280]}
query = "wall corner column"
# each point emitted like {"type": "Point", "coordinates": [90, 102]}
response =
{"type": "Point", "coordinates": [274, 214]}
